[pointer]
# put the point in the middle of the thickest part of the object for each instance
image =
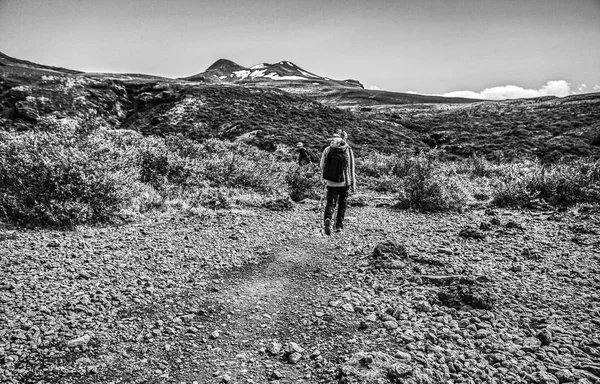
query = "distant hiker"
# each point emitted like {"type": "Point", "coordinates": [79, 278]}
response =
{"type": "Point", "coordinates": [304, 157]}
{"type": "Point", "coordinates": [337, 163]}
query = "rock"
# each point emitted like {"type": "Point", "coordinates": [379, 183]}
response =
{"type": "Point", "coordinates": [295, 357]}
{"type": "Point", "coordinates": [541, 377]}
{"type": "Point", "coordinates": [276, 374]}
{"type": "Point", "coordinates": [423, 306]}
{"type": "Point", "coordinates": [592, 368]}
{"type": "Point", "coordinates": [400, 355]}
{"type": "Point", "coordinates": [215, 334]}
{"type": "Point", "coordinates": [83, 340]}
{"type": "Point", "coordinates": [293, 347]}
{"type": "Point", "coordinates": [445, 251]}
{"type": "Point", "coordinates": [514, 225]}
{"type": "Point", "coordinates": [531, 344]}
{"type": "Point", "coordinates": [400, 371]}
{"type": "Point", "coordinates": [274, 348]}
{"type": "Point", "coordinates": [485, 226]}
{"type": "Point", "coordinates": [495, 221]}
{"type": "Point", "coordinates": [544, 336]}
{"type": "Point", "coordinates": [471, 233]}
{"type": "Point", "coordinates": [517, 267]}
{"type": "Point", "coordinates": [564, 376]}
{"type": "Point", "coordinates": [475, 296]}
{"type": "Point", "coordinates": [391, 324]}
{"type": "Point", "coordinates": [348, 307]}
{"type": "Point", "coordinates": [389, 250]}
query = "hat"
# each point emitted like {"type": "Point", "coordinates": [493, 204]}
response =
{"type": "Point", "coordinates": [299, 145]}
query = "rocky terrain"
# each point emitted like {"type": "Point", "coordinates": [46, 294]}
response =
{"type": "Point", "coordinates": [264, 296]}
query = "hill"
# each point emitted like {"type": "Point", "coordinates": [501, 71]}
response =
{"type": "Point", "coordinates": [268, 116]}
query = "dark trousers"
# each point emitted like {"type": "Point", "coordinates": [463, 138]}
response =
{"type": "Point", "coordinates": [339, 195]}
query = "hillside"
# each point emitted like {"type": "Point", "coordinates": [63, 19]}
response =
{"type": "Point", "coordinates": [268, 116]}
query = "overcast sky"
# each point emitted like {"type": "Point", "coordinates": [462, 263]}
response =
{"type": "Point", "coordinates": [485, 48]}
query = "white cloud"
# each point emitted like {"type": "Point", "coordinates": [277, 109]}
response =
{"type": "Point", "coordinates": [581, 88]}
{"type": "Point", "coordinates": [596, 88]}
{"type": "Point", "coordinates": [552, 88]}
{"type": "Point", "coordinates": [374, 88]}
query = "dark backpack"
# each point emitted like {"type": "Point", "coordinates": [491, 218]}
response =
{"type": "Point", "coordinates": [335, 163]}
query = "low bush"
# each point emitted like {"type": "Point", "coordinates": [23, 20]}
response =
{"type": "Point", "coordinates": [303, 181]}
{"type": "Point", "coordinates": [59, 179]}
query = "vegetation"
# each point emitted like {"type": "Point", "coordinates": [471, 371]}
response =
{"type": "Point", "coordinates": [428, 183]}
{"type": "Point", "coordinates": [63, 175]}
{"type": "Point", "coordinates": [68, 173]}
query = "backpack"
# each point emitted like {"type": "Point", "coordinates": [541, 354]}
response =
{"type": "Point", "coordinates": [335, 163]}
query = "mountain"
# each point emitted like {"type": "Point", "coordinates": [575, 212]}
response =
{"type": "Point", "coordinates": [289, 77]}
{"type": "Point", "coordinates": [226, 71]}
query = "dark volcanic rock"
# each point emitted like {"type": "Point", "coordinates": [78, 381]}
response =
{"type": "Point", "coordinates": [471, 295]}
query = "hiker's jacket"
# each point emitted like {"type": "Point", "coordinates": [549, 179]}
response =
{"type": "Point", "coordinates": [349, 171]}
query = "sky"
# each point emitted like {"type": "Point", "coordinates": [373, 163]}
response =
{"type": "Point", "coordinates": [475, 48]}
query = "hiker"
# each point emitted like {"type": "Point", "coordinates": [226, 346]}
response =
{"type": "Point", "coordinates": [303, 155]}
{"type": "Point", "coordinates": [337, 163]}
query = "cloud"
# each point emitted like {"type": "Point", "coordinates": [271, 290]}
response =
{"type": "Point", "coordinates": [581, 88]}
{"type": "Point", "coordinates": [374, 88]}
{"type": "Point", "coordinates": [596, 88]}
{"type": "Point", "coordinates": [552, 88]}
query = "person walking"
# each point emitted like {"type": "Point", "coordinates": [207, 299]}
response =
{"type": "Point", "coordinates": [304, 157]}
{"type": "Point", "coordinates": [337, 163]}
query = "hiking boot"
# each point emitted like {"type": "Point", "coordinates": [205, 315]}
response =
{"type": "Point", "coordinates": [328, 227]}
{"type": "Point", "coordinates": [339, 227]}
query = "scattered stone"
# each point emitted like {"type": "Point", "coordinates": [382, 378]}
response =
{"type": "Point", "coordinates": [514, 225]}
{"type": "Point", "coordinates": [274, 348]}
{"type": "Point", "coordinates": [423, 306]}
{"type": "Point", "coordinates": [471, 233]}
{"type": "Point", "coordinates": [485, 226]}
{"type": "Point", "coordinates": [390, 324]}
{"type": "Point", "coordinates": [564, 375]}
{"type": "Point", "coordinates": [82, 340]}
{"type": "Point", "coordinates": [541, 377]}
{"type": "Point", "coordinates": [531, 344]}
{"type": "Point", "coordinates": [544, 336]}
{"type": "Point", "coordinates": [389, 250]}
{"type": "Point", "coordinates": [293, 347]}
{"type": "Point", "coordinates": [402, 356]}
{"type": "Point", "coordinates": [472, 295]}
{"type": "Point", "coordinates": [215, 334]}
{"type": "Point", "coordinates": [348, 307]}
{"type": "Point", "coordinates": [295, 357]}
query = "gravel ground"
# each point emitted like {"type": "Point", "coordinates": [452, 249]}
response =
{"type": "Point", "coordinates": [264, 296]}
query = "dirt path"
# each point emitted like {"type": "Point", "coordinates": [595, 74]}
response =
{"type": "Point", "coordinates": [263, 308]}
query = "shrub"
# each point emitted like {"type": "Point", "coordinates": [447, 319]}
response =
{"type": "Point", "coordinates": [303, 181]}
{"type": "Point", "coordinates": [427, 186]}
{"type": "Point", "coordinates": [565, 184]}
{"type": "Point", "coordinates": [59, 179]}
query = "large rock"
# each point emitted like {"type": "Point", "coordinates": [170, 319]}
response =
{"type": "Point", "coordinates": [471, 295]}
{"type": "Point", "coordinates": [390, 250]}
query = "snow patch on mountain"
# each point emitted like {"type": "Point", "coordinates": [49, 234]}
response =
{"type": "Point", "coordinates": [242, 74]}
{"type": "Point", "coordinates": [275, 76]}
{"type": "Point", "coordinates": [258, 66]}
{"type": "Point", "coordinates": [258, 73]}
